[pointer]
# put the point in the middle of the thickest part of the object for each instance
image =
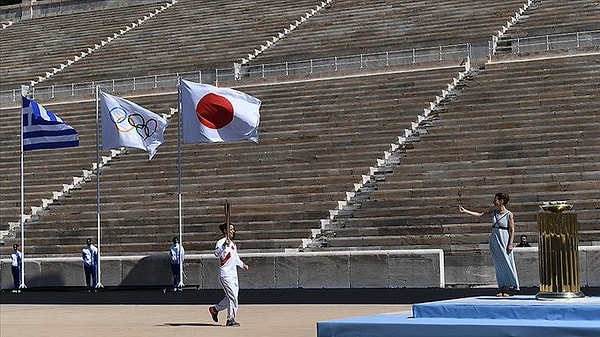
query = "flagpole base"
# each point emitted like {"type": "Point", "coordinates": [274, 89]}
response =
{"type": "Point", "coordinates": [99, 285]}
{"type": "Point", "coordinates": [22, 286]}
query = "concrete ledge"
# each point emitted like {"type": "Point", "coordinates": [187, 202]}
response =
{"type": "Point", "coordinates": [475, 268]}
{"type": "Point", "coordinates": [285, 270]}
{"type": "Point", "coordinates": [425, 268]}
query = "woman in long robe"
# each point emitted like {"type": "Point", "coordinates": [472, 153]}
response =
{"type": "Point", "coordinates": [501, 244]}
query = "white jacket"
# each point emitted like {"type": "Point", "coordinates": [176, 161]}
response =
{"type": "Point", "coordinates": [228, 255]}
{"type": "Point", "coordinates": [89, 255]}
{"type": "Point", "coordinates": [175, 255]}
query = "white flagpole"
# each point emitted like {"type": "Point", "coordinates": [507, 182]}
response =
{"type": "Point", "coordinates": [98, 270]}
{"type": "Point", "coordinates": [22, 266]}
{"type": "Point", "coordinates": [180, 198]}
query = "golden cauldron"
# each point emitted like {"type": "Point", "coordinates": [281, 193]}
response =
{"type": "Point", "coordinates": [558, 252]}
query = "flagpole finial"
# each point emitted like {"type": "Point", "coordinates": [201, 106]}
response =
{"type": "Point", "coordinates": [25, 90]}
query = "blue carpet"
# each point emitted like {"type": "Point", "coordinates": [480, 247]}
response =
{"type": "Point", "coordinates": [515, 307]}
{"type": "Point", "coordinates": [477, 317]}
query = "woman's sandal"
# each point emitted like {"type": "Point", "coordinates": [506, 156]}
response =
{"type": "Point", "coordinates": [504, 292]}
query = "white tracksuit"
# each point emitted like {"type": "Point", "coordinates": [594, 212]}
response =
{"type": "Point", "coordinates": [230, 260]}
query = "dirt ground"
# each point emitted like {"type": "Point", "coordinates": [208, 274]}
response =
{"type": "Point", "coordinates": [36, 320]}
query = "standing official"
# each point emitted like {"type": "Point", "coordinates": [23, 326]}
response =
{"type": "Point", "coordinates": [89, 255]}
{"type": "Point", "coordinates": [227, 252]}
{"type": "Point", "coordinates": [176, 256]}
{"type": "Point", "coordinates": [523, 242]}
{"type": "Point", "coordinates": [16, 263]}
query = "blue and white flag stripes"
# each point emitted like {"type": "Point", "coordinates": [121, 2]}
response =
{"type": "Point", "coordinates": [127, 124]}
{"type": "Point", "coordinates": [44, 130]}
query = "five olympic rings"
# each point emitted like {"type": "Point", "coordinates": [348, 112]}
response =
{"type": "Point", "coordinates": [125, 122]}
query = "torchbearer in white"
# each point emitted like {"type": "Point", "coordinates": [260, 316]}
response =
{"type": "Point", "coordinates": [227, 252]}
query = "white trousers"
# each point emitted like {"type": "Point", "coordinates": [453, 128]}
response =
{"type": "Point", "coordinates": [230, 301]}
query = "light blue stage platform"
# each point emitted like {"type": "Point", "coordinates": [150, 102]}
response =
{"type": "Point", "coordinates": [477, 317]}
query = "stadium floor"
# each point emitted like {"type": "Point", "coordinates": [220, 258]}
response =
{"type": "Point", "coordinates": [152, 312]}
{"type": "Point", "coordinates": [297, 320]}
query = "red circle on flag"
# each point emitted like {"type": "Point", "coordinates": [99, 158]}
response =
{"type": "Point", "coordinates": [214, 111]}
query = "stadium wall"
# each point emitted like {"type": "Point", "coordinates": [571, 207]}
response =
{"type": "Point", "coordinates": [427, 268]}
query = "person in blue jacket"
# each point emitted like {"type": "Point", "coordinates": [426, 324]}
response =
{"type": "Point", "coordinates": [16, 263]}
{"type": "Point", "coordinates": [89, 255]}
{"type": "Point", "coordinates": [176, 257]}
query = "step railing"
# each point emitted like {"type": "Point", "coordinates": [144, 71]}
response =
{"type": "Point", "coordinates": [493, 43]}
{"type": "Point", "coordinates": [238, 72]}
{"type": "Point", "coordinates": [544, 43]}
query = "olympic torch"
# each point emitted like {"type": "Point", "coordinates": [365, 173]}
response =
{"type": "Point", "coordinates": [227, 219]}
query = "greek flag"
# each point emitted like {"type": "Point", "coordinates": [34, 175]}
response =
{"type": "Point", "coordinates": [44, 130]}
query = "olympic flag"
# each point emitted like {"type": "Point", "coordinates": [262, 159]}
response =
{"type": "Point", "coordinates": [127, 124]}
{"type": "Point", "coordinates": [211, 114]}
{"type": "Point", "coordinates": [44, 130]}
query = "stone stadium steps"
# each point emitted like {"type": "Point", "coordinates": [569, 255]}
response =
{"type": "Point", "coordinates": [555, 16]}
{"type": "Point", "coordinates": [283, 163]}
{"type": "Point", "coordinates": [148, 234]}
{"type": "Point", "coordinates": [473, 178]}
{"type": "Point", "coordinates": [488, 150]}
{"type": "Point", "coordinates": [166, 224]}
{"type": "Point", "coordinates": [449, 217]}
{"type": "Point", "coordinates": [152, 248]}
{"type": "Point", "coordinates": [448, 242]}
{"type": "Point", "coordinates": [152, 231]}
{"type": "Point", "coordinates": [254, 212]}
{"type": "Point", "coordinates": [166, 48]}
{"type": "Point", "coordinates": [470, 153]}
{"type": "Point", "coordinates": [159, 192]}
{"type": "Point", "coordinates": [252, 206]}
{"type": "Point", "coordinates": [44, 51]}
{"type": "Point", "coordinates": [550, 18]}
{"type": "Point", "coordinates": [349, 28]}
{"type": "Point", "coordinates": [498, 156]}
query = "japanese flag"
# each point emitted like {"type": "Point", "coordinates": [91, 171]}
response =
{"type": "Point", "coordinates": [211, 114]}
